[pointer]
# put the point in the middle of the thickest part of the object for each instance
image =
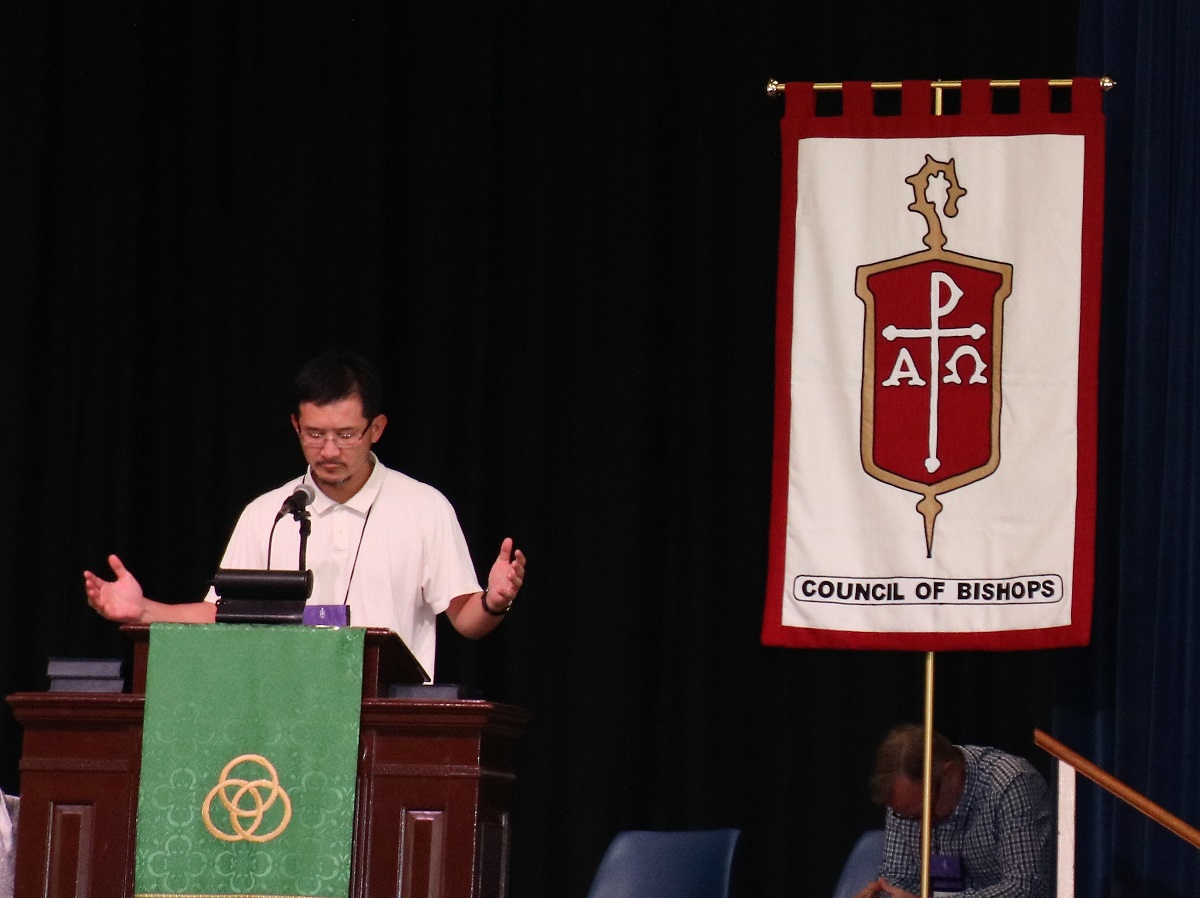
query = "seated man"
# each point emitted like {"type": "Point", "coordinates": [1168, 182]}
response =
{"type": "Point", "coordinates": [991, 820]}
{"type": "Point", "coordinates": [386, 545]}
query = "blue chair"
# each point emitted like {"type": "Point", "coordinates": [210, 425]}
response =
{"type": "Point", "coordinates": [650, 864]}
{"type": "Point", "coordinates": [862, 865]}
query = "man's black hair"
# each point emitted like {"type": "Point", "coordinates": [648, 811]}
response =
{"type": "Point", "coordinates": [333, 376]}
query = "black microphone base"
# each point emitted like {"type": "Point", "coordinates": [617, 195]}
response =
{"type": "Point", "coordinates": [261, 597]}
{"type": "Point", "coordinates": [260, 611]}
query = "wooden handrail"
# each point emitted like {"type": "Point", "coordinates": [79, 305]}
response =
{"type": "Point", "coordinates": [1106, 780]}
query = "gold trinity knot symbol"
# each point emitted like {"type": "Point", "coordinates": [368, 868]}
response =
{"type": "Point", "coordinates": [245, 803]}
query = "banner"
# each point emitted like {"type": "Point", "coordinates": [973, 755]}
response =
{"type": "Point", "coordinates": [249, 759]}
{"type": "Point", "coordinates": [938, 327]}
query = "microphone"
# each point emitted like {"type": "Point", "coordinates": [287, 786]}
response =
{"type": "Point", "coordinates": [300, 499]}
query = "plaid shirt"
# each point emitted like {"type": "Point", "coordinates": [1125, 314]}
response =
{"type": "Point", "coordinates": [1001, 829]}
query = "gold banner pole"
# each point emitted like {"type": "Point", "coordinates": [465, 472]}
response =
{"type": "Point", "coordinates": [927, 781]}
{"type": "Point", "coordinates": [927, 757]}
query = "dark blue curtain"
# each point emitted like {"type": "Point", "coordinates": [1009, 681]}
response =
{"type": "Point", "coordinates": [1130, 700]}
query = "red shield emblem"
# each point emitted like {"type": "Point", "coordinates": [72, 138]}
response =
{"type": "Point", "coordinates": [932, 341]}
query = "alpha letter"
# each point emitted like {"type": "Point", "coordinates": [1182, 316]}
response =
{"type": "Point", "coordinates": [904, 369]}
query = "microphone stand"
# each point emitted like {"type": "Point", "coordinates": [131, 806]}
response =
{"type": "Point", "coordinates": [301, 515]}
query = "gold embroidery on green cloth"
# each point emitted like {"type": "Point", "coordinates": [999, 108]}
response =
{"type": "Point", "coordinates": [252, 790]}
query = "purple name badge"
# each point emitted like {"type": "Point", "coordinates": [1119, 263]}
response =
{"type": "Point", "coordinates": [946, 875]}
{"type": "Point", "coordinates": [327, 615]}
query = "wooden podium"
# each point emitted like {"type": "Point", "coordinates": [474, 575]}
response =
{"type": "Point", "coordinates": [435, 783]}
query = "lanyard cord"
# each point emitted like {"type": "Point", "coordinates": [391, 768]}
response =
{"type": "Point", "coordinates": [354, 565]}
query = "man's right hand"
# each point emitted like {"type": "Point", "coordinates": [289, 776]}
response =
{"type": "Point", "coordinates": [881, 888]}
{"type": "Point", "coordinates": [121, 599]}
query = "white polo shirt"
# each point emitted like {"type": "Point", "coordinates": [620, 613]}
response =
{"type": "Point", "coordinates": [394, 552]}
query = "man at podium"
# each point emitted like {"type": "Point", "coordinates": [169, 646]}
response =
{"type": "Point", "coordinates": [385, 545]}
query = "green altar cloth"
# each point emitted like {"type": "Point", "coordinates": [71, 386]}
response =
{"type": "Point", "coordinates": [249, 756]}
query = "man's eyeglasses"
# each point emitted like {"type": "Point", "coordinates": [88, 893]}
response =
{"type": "Point", "coordinates": [343, 439]}
{"type": "Point", "coordinates": [936, 792]}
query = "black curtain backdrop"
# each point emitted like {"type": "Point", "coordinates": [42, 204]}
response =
{"type": "Point", "coordinates": [553, 227]}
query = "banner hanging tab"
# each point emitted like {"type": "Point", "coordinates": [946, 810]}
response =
{"type": "Point", "coordinates": [937, 335]}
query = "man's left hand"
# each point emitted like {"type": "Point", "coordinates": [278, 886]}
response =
{"type": "Point", "coordinates": [507, 575]}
